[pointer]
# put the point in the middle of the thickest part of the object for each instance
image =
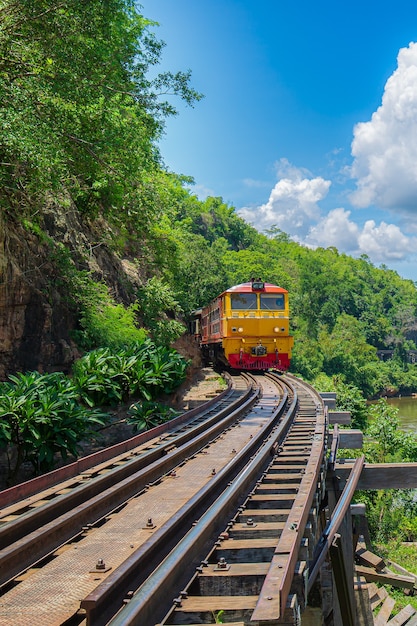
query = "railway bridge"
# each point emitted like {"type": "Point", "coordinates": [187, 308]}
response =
{"type": "Point", "coordinates": [238, 511]}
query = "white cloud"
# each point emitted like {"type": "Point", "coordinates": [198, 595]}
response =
{"type": "Point", "coordinates": [383, 243]}
{"type": "Point", "coordinates": [292, 204]}
{"type": "Point", "coordinates": [385, 148]}
{"type": "Point", "coordinates": [335, 229]}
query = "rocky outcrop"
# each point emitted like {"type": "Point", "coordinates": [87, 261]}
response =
{"type": "Point", "coordinates": [36, 319]}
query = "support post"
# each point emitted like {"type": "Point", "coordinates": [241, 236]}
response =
{"type": "Point", "coordinates": [342, 582]}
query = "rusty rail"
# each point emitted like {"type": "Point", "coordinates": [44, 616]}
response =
{"type": "Point", "coordinates": [332, 526]}
{"type": "Point", "coordinates": [33, 486]}
{"type": "Point", "coordinates": [40, 531]}
{"type": "Point", "coordinates": [145, 606]}
{"type": "Point", "coordinates": [283, 484]}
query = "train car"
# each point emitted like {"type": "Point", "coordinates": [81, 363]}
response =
{"type": "Point", "coordinates": [246, 328]}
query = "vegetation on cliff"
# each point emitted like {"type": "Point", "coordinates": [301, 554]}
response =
{"type": "Point", "coordinates": [83, 107]}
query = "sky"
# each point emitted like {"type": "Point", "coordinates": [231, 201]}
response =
{"type": "Point", "coordinates": [309, 117]}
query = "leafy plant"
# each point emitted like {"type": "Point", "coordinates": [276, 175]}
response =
{"type": "Point", "coordinates": [145, 415]}
{"type": "Point", "coordinates": [106, 377]}
{"type": "Point", "coordinates": [156, 298]}
{"type": "Point", "coordinates": [40, 416]}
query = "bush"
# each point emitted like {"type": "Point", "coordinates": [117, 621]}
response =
{"type": "Point", "coordinates": [145, 415]}
{"type": "Point", "coordinates": [144, 370]}
{"type": "Point", "coordinates": [40, 416]}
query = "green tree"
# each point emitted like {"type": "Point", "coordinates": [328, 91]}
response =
{"type": "Point", "coordinates": [79, 110]}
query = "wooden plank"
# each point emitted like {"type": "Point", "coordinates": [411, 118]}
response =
{"type": "Point", "coordinates": [351, 438]}
{"type": "Point", "coordinates": [365, 557]}
{"type": "Point", "coordinates": [402, 617]}
{"type": "Point", "coordinates": [401, 570]}
{"type": "Point", "coordinates": [386, 610]}
{"type": "Point", "coordinates": [339, 417]}
{"type": "Point", "coordinates": [236, 569]}
{"type": "Point", "coordinates": [217, 603]}
{"type": "Point", "coordinates": [404, 582]}
{"type": "Point", "coordinates": [372, 590]}
{"type": "Point", "coordinates": [379, 598]}
{"type": "Point", "coordinates": [380, 476]}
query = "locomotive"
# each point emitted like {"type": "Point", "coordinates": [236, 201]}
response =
{"type": "Point", "coordinates": [246, 328]}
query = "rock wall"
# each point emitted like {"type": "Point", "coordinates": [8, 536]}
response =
{"type": "Point", "coordinates": [35, 319]}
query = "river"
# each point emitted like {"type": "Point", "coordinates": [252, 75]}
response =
{"type": "Point", "coordinates": [407, 412]}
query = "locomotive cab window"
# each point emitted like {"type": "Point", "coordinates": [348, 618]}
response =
{"type": "Point", "coordinates": [272, 301]}
{"type": "Point", "coordinates": [243, 301]}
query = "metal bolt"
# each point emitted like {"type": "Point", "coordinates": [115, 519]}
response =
{"type": "Point", "coordinates": [213, 472]}
{"type": "Point", "coordinates": [100, 564]}
{"type": "Point", "coordinates": [149, 523]}
{"type": "Point", "coordinates": [222, 564]}
{"type": "Point", "coordinates": [249, 521]}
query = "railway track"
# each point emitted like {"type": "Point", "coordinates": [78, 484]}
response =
{"type": "Point", "coordinates": [256, 570]}
{"type": "Point", "coordinates": [92, 547]}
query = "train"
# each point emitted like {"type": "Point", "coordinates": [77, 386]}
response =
{"type": "Point", "coordinates": [246, 328]}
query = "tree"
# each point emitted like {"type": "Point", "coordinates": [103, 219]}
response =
{"type": "Point", "coordinates": [79, 112]}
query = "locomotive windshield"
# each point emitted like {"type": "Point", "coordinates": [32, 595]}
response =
{"type": "Point", "coordinates": [243, 300]}
{"type": "Point", "coordinates": [272, 301]}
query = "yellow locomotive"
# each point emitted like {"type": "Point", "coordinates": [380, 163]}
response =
{"type": "Point", "coordinates": [246, 328]}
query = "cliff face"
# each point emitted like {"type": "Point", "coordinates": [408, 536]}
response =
{"type": "Point", "coordinates": [35, 318]}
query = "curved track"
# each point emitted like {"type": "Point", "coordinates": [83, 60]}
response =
{"type": "Point", "coordinates": [256, 570]}
{"type": "Point", "coordinates": [185, 489]}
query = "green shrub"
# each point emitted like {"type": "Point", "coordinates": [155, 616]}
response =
{"type": "Point", "coordinates": [106, 377]}
{"type": "Point", "coordinates": [40, 416]}
{"type": "Point", "coordinates": [145, 415]}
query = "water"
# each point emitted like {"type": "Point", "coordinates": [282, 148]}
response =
{"type": "Point", "coordinates": [407, 412]}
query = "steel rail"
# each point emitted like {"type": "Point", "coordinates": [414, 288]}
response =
{"type": "Point", "coordinates": [175, 432]}
{"type": "Point", "coordinates": [33, 536]}
{"type": "Point", "coordinates": [146, 605]}
{"type": "Point", "coordinates": [276, 587]}
{"type": "Point", "coordinates": [333, 524]}
{"type": "Point", "coordinates": [108, 597]}
{"type": "Point", "coordinates": [35, 485]}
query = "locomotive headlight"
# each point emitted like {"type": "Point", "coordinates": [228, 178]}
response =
{"type": "Point", "coordinates": [276, 329]}
{"type": "Point", "coordinates": [240, 329]}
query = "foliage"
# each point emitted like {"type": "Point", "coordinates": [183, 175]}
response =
{"type": "Point", "coordinates": [391, 514]}
{"type": "Point", "coordinates": [78, 107]}
{"type": "Point", "coordinates": [154, 300]}
{"type": "Point", "coordinates": [145, 415]}
{"type": "Point", "coordinates": [387, 442]}
{"type": "Point", "coordinates": [106, 377]}
{"type": "Point", "coordinates": [40, 416]}
{"type": "Point", "coordinates": [103, 321]}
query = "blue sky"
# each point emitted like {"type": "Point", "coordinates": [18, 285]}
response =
{"type": "Point", "coordinates": [309, 117]}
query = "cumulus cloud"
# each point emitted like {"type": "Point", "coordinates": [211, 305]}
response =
{"type": "Point", "coordinates": [385, 148]}
{"type": "Point", "coordinates": [335, 229]}
{"type": "Point", "coordinates": [383, 243]}
{"type": "Point", "coordinates": [292, 204]}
